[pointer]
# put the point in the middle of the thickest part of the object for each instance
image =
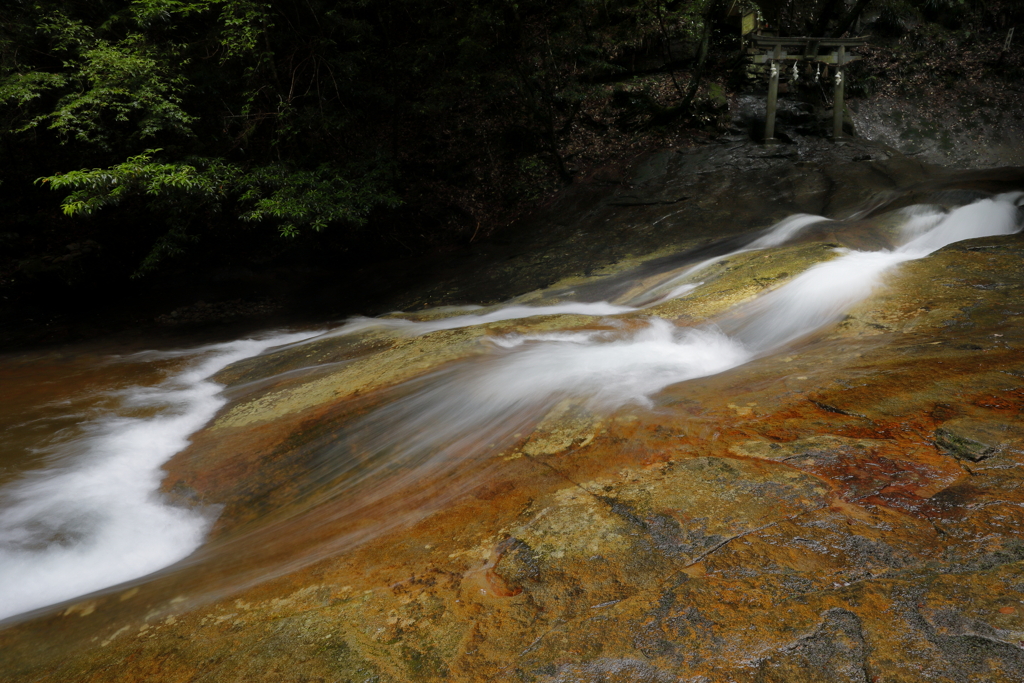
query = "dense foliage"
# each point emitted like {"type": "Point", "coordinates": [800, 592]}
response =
{"type": "Point", "coordinates": [200, 113]}
{"type": "Point", "coordinates": [412, 120]}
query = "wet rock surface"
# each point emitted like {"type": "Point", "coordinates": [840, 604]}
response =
{"type": "Point", "coordinates": [966, 130]}
{"type": "Point", "coordinates": [845, 510]}
{"type": "Point", "coordinates": [662, 203]}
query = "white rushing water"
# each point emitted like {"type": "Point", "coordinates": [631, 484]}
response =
{"type": "Point", "coordinates": [503, 313]}
{"type": "Point", "coordinates": [775, 236]}
{"type": "Point", "coordinates": [483, 402]}
{"type": "Point", "coordinates": [96, 520]}
{"type": "Point", "coordinates": [820, 295]}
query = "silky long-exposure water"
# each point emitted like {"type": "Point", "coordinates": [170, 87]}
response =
{"type": "Point", "coordinates": [91, 517]}
{"type": "Point", "coordinates": [86, 512]}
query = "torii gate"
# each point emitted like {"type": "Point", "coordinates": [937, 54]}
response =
{"type": "Point", "coordinates": [775, 53]}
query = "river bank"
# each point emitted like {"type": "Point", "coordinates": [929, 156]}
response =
{"type": "Point", "coordinates": [569, 234]}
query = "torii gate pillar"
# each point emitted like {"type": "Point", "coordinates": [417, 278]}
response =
{"type": "Point", "coordinates": [837, 100]}
{"type": "Point", "coordinates": [775, 56]}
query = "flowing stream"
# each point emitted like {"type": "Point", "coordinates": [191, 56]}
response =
{"type": "Point", "coordinates": [80, 508]}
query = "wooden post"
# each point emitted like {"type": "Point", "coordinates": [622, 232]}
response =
{"type": "Point", "coordinates": [837, 101]}
{"type": "Point", "coordinates": [774, 55]}
{"type": "Point", "coordinates": [773, 96]}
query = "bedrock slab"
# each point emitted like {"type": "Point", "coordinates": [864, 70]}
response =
{"type": "Point", "coordinates": [848, 509]}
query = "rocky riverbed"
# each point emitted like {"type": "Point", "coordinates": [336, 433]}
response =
{"type": "Point", "coordinates": [845, 508]}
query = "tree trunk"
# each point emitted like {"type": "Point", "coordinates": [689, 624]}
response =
{"type": "Point", "coordinates": [828, 10]}
{"type": "Point", "coordinates": [667, 115]}
{"type": "Point", "coordinates": [705, 40]}
{"type": "Point", "coordinates": [666, 44]}
{"type": "Point", "coordinates": [846, 22]}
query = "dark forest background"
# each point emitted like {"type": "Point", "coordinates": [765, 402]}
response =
{"type": "Point", "coordinates": [146, 137]}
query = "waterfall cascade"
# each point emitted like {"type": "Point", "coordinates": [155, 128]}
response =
{"type": "Point", "coordinates": [90, 516]}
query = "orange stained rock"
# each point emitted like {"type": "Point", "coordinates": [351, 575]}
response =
{"type": "Point", "coordinates": [826, 532]}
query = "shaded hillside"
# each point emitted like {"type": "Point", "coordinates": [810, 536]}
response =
{"type": "Point", "coordinates": [247, 153]}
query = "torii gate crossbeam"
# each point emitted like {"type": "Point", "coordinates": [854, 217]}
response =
{"type": "Point", "coordinates": [775, 53]}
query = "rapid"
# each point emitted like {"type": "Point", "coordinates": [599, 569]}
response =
{"type": "Point", "coordinates": [81, 505]}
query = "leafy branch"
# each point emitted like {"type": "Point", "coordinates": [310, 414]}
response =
{"type": "Point", "coordinates": [291, 199]}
